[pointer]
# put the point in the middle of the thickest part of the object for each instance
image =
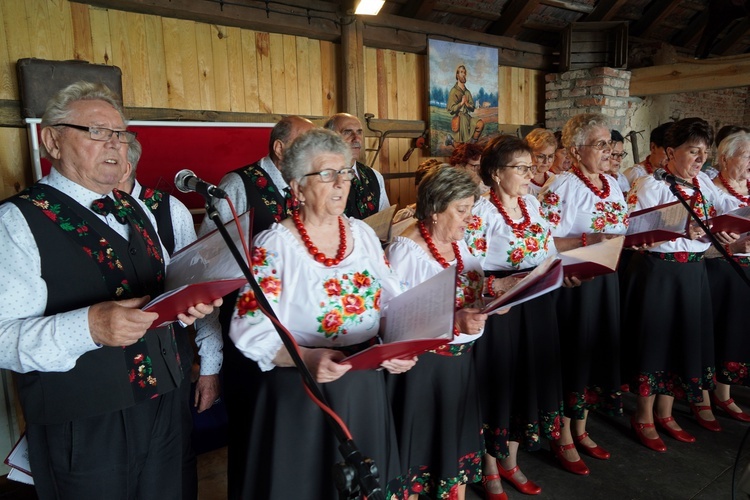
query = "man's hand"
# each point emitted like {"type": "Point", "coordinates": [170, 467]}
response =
{"type": "Point", "coordinates": [198, 311]}
{"type": "Point", "coordinates": [120, 323]}
{"type": "Point", "coordinates": [207, 391]}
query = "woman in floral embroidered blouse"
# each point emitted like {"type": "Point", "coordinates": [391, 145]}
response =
{"type": "Point", "coordinates": [435, 405]}
{"type": "Point", "coordinates": [666, 298]}
{"type": "Point", "coordinates": [326, 277]}
{"type": "Point", "coordinates": [586, 206]}
{"type": "Point", "coordinates": [518, 360]}
{"type": "Point", "coordinates": [728, 291]}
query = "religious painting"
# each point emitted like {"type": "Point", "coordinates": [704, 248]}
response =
{"type": "Point", "coordinates": [463, 94]}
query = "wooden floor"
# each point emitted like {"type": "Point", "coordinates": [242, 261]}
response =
{"type": "Point", "coordinates": [212, 475]}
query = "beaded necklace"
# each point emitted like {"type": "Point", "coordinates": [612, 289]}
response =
{"type": "Point", "coordinates": [518, 227]}
{"type": "Point", "coordinates": [434, 251]}
{"type": "Point", "coordinates": [697, 196]}
{"type": "Point", "coordinates": [320, 256]}
{"type": "Point", "coordinates": [601, 193]}
{"type": "Point", "coordinates": [541, 184]}
{"type": "Point", "coordinates": [733, 192]}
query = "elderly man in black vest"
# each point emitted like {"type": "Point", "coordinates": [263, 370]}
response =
{"type": "Point", "coordinates": [367, 195]}
{"type": "Point", "coordinates": [78, 259]}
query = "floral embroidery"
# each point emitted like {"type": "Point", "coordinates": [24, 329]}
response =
{"type": "Point", "coordinates": [609, 215]}
{"type": "Point", "coordinates": [365, 192]}
{"type": "Point", "coordinates": [672, 384]}
{"type": "Point", "coordinates": [528, 434]}
{"type": "Point", "coordinates": [453, 349]}
{"type": "Point", "coordinates": [679, 256]}
{"type": "Point", "coordinates": [141, 373]}
{"type": "Point", "coordinates": [152, 198]}
{"type": "Point", "coordinates": [268, 191]}
{"type": "Point", "coordinates": [733, 372]}
{"type": "Point", "coordinates": [592, 398]}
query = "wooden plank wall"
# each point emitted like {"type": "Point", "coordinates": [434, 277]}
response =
{"type": "Point", "coordinates": [187, 65]}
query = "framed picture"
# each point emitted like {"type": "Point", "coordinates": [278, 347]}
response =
{"type": "Point", "coordinates": [462, 82]}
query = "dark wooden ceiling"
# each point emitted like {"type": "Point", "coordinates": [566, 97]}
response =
{"type": "Point", "coordinates": [681, 23]}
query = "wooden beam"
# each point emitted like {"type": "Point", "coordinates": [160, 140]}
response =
{"type": "Point", "coordinates": [353, 69]}
{"type": "Point", "coordinates": [739, 30]}
{"type": "Point", "coordinates": [417, 9]}
{"type": "Point", "coordinates": [605, 10]}
{"type": "Point", "coordinates": [512, 17]}
{"type": "Point", "coordinates": [570, 6]}
{"type": "Point", "coordinates": [691, 76]}
{"type": "Point", "coordinates": [653, 16]}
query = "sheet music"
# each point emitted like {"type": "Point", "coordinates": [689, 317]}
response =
{"type": "Point", "coordinates": [672, 218]}
{"type": "Point", "coordinates": [425, 311]}
{"type": "Point", "coordinates": [380, 222]}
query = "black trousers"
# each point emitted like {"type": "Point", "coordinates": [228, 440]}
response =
{"type": "Point", "coordinates": [130, 454]}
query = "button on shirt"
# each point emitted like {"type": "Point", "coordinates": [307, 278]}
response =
{"type": "Point", "coordinates": [30, 341]}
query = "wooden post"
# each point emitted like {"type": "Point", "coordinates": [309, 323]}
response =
{"type": "Point", "coordinates": [353, 66]}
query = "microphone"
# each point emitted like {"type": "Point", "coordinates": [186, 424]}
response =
{"type": "Point", "coordinates": [186, 181]}
{"type": "Point", "coordinates": [662, 175]}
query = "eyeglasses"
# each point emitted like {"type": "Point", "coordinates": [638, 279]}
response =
{"type": "Point", "coordinates": [522, 169]}
{"type": "Point", "coordinates": [544, 158]}
{"type": "Point", "coordinates": [601, 145]}
{"type": "Point", "coordinates": [103, 134]}
{"type": "Point", "coordinates": [329, 174]}
{"type": "Point", "coordinates": [619, 156]}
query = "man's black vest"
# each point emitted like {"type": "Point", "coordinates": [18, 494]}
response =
{"type": "Point", "coordinates": [364, 195]}
{"type": "Point", "coordinates": [99, 383]}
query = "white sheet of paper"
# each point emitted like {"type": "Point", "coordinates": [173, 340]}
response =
{"type": "Point", "coordinates": [672, 218]}
{"type": "Point", "coordinates": [381, 222]}
{"type": "Point", "coordinates": [606, 253]}
{"type": "Point", "coordinates": [425, 311]}
{"type": "Point", "coordinates": [18, 458]}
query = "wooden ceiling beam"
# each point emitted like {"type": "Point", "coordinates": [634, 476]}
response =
{"type": "Point", "coordinates": [512, 18]}
{"type": "Point", "coordinates": [691, 76]}
{"type": "Point", "coordinates": [605, 10]}
{"type": "Point", "coordinates": [692, 32]}
{"type": "Point", "coordinates": [417, 10]}
{"type": "Point", "coordinates": [738, 32]}
{"type": "Point", "coordinates": [652, 18]}
{"type": "Point", "coordinates": [569, 6]}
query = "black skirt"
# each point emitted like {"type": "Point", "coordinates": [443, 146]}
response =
{"type": "Point", "coordinates": [518, 368]}
{"type": "Point", "coordinates": [667, 327]}
{"type": "Point", "coordinates": [729, 300]}
{"type": "Point", "coordinates": [290, 448]}
{"type": "Point", "coordinates": [589, 317]}
{"type": "Point", "coordinates": [438, 423]}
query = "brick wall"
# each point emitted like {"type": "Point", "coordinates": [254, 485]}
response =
{"type": "Point", "coordinates": [717, 107]}
{"type": "Point", "coordinates": [596, 90]}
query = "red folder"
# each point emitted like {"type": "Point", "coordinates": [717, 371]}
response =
{"type": "Point", "coordinates": [372, 357]}
{"type": "Point", "coordinates": [733, 222]}
{"type": "Point", "coordinates": [179, 300]}
{"type": "Point", "coordinates": [544, 278]}
{"type": "Point", "coordinates": [593, 260]}
{"type": "Point", "coordinates": [659, 229]}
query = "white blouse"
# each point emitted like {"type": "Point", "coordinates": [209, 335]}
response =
{"type": "Point", "coordinates": [414, 266]}
{"type": "Point", "coordinates": [499, 247]}
{"type": "Point", "coordinates": [321, 306]}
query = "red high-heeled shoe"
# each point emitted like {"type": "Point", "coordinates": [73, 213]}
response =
{"type": "Point", "coordinates": [711, 425]}
{"type": "Point", "coordinates": [577, 467]}
{"type": "Point", "coordinates": [655, 444]}
{"type": "Point", "coordinates": [527, 488]}
{"type": "Point", "coordinates": [592, 451]}
{"type": "Point", "coordinates": [680, 435]}
{"type": "Point", "coordinates": [488, 493]}
{"type": "Point", "coordinates": [724, 405]}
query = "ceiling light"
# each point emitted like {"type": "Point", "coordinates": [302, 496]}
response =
{"type": "Point", "coordinates": [369, 7]}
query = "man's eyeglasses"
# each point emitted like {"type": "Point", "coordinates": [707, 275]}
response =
{"type": "Point", "coordinates": [103, 134]}
{"type": "Point", "coordinates": [619, 156]}
{"type": "Point", "coordinates": [601, 145]}
{"type": "Point", "coordinates": [544, 158]}
{"type": "Point", "coordinates": [329, 174]}
{"type": "Point", "coordinates": [522, 169]}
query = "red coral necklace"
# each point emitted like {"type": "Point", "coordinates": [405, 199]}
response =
{"type": "Point", "coordinates": [541, 184]}
{"type": "Point", "coordinates": [601, 193]}
{"type": "Point", "coordinates": [434, 251]}
{"type": "Point", "coordinates": [320, 256]}
{"type": "Point", "coordinates": [733, 192]}
{"type": "Point", "coordinates": [518, 227]}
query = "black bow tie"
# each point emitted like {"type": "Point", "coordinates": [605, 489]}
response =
{"type": "Point", "coordinates": [106, 206]}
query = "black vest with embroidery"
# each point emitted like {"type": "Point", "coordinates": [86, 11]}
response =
{"type": "Point", "coordinates": [264, 196]}
{"type": "Point", "coordinates": [104, 379]}
{"type": "Point", "coordinates": [364, 195]}
{"type": "Point", "coordinates": [158, 203]}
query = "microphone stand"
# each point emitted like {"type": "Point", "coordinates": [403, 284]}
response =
{"type": "Point", "coordinates": [733, 263]}
{"type": "Point", "coordinates": [357, 474]}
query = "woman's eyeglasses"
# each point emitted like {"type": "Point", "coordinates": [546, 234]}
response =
{"type": "Point", "coordinates": [601, 145]}
{"type": "Point", "coordinates": [329, 174]}
{"type": "Point", "coordinates": [522, 169]}
{"type": "Point", "coordinates": [619, 156]}
{"type": "Point", "coordinates": [544, 158]}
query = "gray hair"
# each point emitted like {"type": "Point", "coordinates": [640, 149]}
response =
{"type": "Point", "coordinates": [134, 156]}
{"type": "Point", "coordinates": [578, 127]}
{"type": "Point", "coordinates": [441, 186]}
{"type": "Point", "coordinates": [299, 157]}
{"type": "Point", "coordinates": [733, 142]}
{"type": "Point", "coordinates": [58, 107]}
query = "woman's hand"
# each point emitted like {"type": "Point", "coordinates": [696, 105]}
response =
{"type": "Point", "coordinates": [323, 364]}
{"type": "Point", "coordinates": [695, 232]}
{"type": "Point", "coordinates": [396, 366]}
{"type": "Point", "coordinates": [727, 238]}
{"type": "Point", "coordinates": [737, 245]}
{"type": "Point", "coordinates": [571, 282]}
{"type": "Point", "coordinates": [469, 320]}
{"type": "Point", "coordinates": [502, 285]}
